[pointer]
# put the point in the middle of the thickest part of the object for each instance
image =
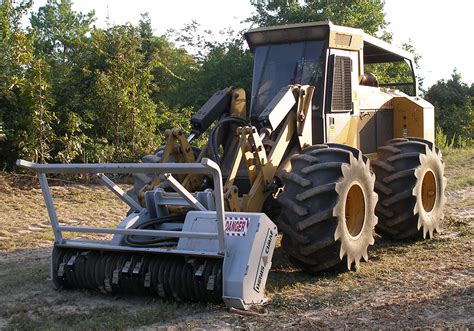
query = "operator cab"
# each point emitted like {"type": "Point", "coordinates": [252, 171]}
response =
{"type": "Point", "coordinates": [338, 61]}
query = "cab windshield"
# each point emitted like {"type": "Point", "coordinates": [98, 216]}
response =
{"type": "Point", "coordinates": [280, 65]}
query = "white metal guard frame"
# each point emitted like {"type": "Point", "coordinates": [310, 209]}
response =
{"type": "Point", "coordinates": [205, 167]}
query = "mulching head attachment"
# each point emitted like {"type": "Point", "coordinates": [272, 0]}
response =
{"type": "Point", "coordinates": [205, 255]}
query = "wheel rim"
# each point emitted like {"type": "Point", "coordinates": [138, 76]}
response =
{"type": "Point", "coordinates": [355, 210]}
{"type": "Point", "coordinates": [428, 191]}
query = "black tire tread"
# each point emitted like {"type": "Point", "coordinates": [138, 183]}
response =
{"type": "Point", "coordinates": [309, 236]}
{"type": "Point", "coordinates": [395, 183]}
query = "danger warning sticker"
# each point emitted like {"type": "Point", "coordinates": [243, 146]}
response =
{"type": "Point", "coordinates": [236, 226]}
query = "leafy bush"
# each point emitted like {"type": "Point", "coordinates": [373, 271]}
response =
{"type": "Point", "coordinates": [452, 100]}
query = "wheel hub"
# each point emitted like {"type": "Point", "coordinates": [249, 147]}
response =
{"type": "Point", "coordinates": [428, 191]}
{"type": "Point", "coordinates": [355, 210]}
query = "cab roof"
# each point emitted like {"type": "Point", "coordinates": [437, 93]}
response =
{"type": "Point", "coordinates": [375, 50]}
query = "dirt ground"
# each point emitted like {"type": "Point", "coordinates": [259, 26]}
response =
{"type": "Point", "coordinates": [426, 284]}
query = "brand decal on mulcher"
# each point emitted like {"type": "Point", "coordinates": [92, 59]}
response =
{"type": "Point", "coordinates": [268, 242]}
{"type": "Point", "coordinates": [262, 263]}
{"type": "Point", "coordinates": [259, 279]}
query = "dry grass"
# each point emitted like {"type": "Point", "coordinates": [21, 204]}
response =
{"type": "Point", "coordinates": [409, 284]}
{"type": "Point", "coordinates": [459, 167]}
{"type": "Point", "coordinates": [24, 219]}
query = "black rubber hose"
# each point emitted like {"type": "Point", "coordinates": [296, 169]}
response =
{"type": "Point", "coordinates": [140, 241]}
{"type": "Point", "coordinates": [213, 147]}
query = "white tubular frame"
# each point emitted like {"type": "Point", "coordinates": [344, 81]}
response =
{"type": "Point", "coordinates": [205, 167]}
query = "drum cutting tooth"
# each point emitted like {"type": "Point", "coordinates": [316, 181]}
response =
{"type": "Point", "coordinates": [199, 279]}
{"type": "Point", "coordinates": [110, 264]}
{"type": "Point", "coordinates": [153, 276]}
{"type": "Point", "coordinates": [67, 270]}
{"type": "Point", "coordinates": [136, 277]}
{"type": "Point", "coordinates": [132, 275]}
{"type": "Point", "coordinates": [145, 276]}
{"type": "Point", "coordinates": [146, 270]}
{"type": "Point", "coordinates": [208, 285]}
{"type": "Point", "coordinates": [58, 267]}
{"type": "Point", "coordinates": [114, 279]}
{"type": "Point", "coordinates": [125, 274]}
{"type": "Point", "coordinates": [116, 276]}
{"type": "Point", "coordinates": [70, 274]}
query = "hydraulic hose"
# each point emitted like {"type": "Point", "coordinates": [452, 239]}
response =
{"type": "Point", "coordinates": [213, 144]}
{"type": "Point", "coordinates": [141, 241]}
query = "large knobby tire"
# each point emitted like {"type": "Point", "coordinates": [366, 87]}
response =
{"type": "Point", "coordinates": [328, 205]}
{"type": "Point", "coordinates": [410, 183]}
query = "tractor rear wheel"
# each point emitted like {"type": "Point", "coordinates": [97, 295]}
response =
{"type": "Point", "coordinates": [328, 208]}
{"type": "Point", "coordinates": [410, 183]}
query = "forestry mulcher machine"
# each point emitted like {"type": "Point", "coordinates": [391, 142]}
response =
{"type": "Point", "coordinates": [200, 227]}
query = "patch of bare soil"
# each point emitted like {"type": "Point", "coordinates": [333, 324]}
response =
{"type": "Point", "coordinates": [405, 284]}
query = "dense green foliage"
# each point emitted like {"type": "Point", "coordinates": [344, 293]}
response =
{"type": "Point", "coordinates": [73, 92]}
{"type": "Point", "coordinates": [454, 104]}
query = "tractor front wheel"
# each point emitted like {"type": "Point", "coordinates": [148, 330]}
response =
{"type": "Point", "coordinates": [328, 208]}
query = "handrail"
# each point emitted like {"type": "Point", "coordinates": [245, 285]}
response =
{"type": "Point", "coordinates": [206, 166]}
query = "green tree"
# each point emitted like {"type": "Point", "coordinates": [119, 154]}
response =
{"type": "Point", "coordinates": [15, 46]}
{"type": "Point", "coordinates": [59, 29]}
{"type": "Point", "coordinates": [365, 14]}
{"type": "Point", "coordinates": [15, 55]}
{"type": "Point", "coordinates": [61, 37]}
{"type": "Point", "coordinates": [452, 100]}
{"type": "Point", "coordinates": [118, 100]}
{"type": "Point", "coordinates": [38, 137]}
{"type": "Point", "coordinates": [170, 65]}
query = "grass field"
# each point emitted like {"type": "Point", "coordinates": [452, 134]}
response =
{"type": "Point", "coordinates": [405, 284]}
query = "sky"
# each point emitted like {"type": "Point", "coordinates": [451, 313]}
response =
{"type": "Point", "coordinates": [441, 31]}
